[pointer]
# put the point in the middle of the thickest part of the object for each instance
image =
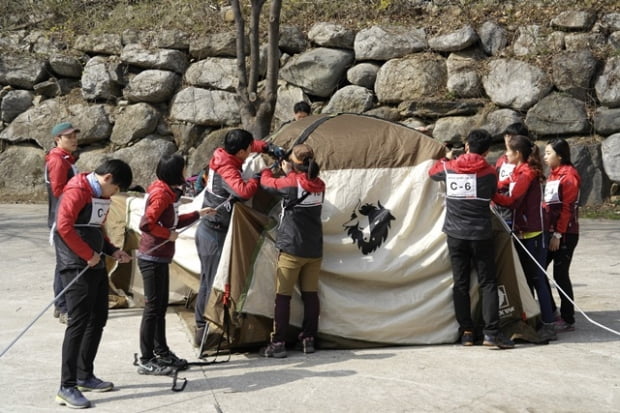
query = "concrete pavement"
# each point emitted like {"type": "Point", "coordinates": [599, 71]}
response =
{"type": "Point", "coordinates": [578, 373]}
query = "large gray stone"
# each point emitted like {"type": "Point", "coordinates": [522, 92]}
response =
{"type": "Point", "coordinates": [610, 149]}
{"type": "Point", "coordinates": [205, 107]}
{"type": "Point", "coordinates": [558, 114]}
{"type": "Point", "coordinates": [379, 43]}
{"type": "Point", "coordinates": [133, 123]}
{"type": "Point", "coordinates": [152, 86]}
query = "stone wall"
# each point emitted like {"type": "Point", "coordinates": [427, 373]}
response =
{"type": "Point", "coordinates": [138, 95]}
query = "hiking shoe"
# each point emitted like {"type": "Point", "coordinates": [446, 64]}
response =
{"type": "Point", "coordinates": [499, 340]}
{"type": "Point", "coordinates": [94, 384]}
{"type": "Point", "coordinates": [72, 397]}
{"type": "Point", "coordinates": [547, 332]}
{"type": "Point", "coordinates": [63, 318]}
{"type": "Point", "coordinates": [307, 345]}
{"type": "Point", "coordinates": [275, 350]}
{"type": "Point", "coordinates": [171, 360]}
{"type": "Point", "coordinates": [153, 368]}
{"type": "Point", "coordinates": [467, 339]}
{"type": "Point", "coordinates": [56, 312]}
{"type": "Point", "coordinates": [562, 326]}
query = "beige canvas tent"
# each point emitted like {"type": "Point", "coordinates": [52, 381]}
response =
{"type": "Point", "coordinates": [386, 275]}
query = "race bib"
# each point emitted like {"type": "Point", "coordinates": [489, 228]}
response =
{"type": "Point", "coordinates": [552, 192]}
{"type": "Point", "coordinates": [461, 186]}
{"type": "Point", "coordinates": [506, 170]}
{"type": "Point", "coordinates": [99, 211]}
{"type": "Point", "coordinates": [312, 199]}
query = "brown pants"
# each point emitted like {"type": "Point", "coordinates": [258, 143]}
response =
{"type": "Point", "coordinates": [292, 269]}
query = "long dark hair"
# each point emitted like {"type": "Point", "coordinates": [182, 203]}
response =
{"type": "Point", "coordinates": [562, 149]}
{"type": "Point", "coordinates": [530, 152]}
{"type": "Point", "coordinates": [305, 155]}
{"type": "Point", "coordinates": [170, 169]}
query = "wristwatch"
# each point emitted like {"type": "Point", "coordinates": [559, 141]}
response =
{"type": "Point", "coordinates": [557, 235]}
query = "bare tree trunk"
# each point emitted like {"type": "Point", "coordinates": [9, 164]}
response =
{"type": "Point", "coordinates": [256, 109]}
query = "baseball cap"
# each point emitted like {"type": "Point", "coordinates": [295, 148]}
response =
{"type": "Point", "coordinates": [63, 128]}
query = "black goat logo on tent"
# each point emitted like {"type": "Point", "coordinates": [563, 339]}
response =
{"type": "Point", "coordinates": [371, 234]}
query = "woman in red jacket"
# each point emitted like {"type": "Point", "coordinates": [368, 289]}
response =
{"type": "Point", "coordinates": [158, 225]}
{"type": "Point", "coordinates": [523, 198]}
{"type": "Point", "coordinates": [562, 221]}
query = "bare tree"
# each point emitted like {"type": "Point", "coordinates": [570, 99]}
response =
{"type": "Point", "coordinates": [257, 106]}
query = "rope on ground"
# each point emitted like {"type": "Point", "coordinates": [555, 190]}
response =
{"type": "Point", "coordinates": [512, 234]}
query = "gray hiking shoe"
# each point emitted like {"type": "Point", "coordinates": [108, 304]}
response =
{"type": "Point", "coordinates": [94, 384]}
{"type": "Point", "coordinates": [275, 350]}
{"type": "Point", "coordinates": [72, 397]}
{"type": "Point", "coordinates": [153, 368]}
{"type": "Point", "coordinates": [547, 332]}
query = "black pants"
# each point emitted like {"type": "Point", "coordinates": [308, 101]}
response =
{"type": "Point", "coordinates": [481, 253]}
{"type": "Point", "coordinates": [87, 307]}
{"type": "Point", "coordinates": [209, 243]}
{"type": "Point", "coordinates": [561, 264]}
{"type": "Point", "coordinates": [156, 278]}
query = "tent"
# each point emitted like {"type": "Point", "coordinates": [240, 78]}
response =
{"type": "Point", "coordinates": [385, 278]}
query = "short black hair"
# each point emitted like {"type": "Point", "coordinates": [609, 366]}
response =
{"type": "Point", "coordinates": [170, 169]}
{"type": "Point", "coordinates": [479, 141]}
{"type": "Point", "coordinates": [236, 140]}
{"type": "Point", "coordinates": [517, 128]}
{"type": "Point", "coordinates": [120, 171]}
{"type": "Point", "coordinates": [302, 107]}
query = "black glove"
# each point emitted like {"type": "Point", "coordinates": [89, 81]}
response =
{"type": "Point", "coordinates": [276, 151]}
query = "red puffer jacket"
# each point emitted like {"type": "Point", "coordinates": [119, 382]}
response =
{"type": "Point", "coordinates": [562, 214]}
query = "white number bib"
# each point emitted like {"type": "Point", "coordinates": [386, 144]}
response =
{"type": "Point", "coordinates": [99, 211]}
{"type": "Point", "coordinates": [312, 199]}
{"type": "Point", "coordinates": [461, 186]}
{"type": "Point", "coordinates": [506, 170]}
{"type": "Point", "coordinates": [552, 192]}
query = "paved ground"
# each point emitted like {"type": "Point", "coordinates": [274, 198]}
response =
{"type": "Point", "coordinates": [578, 373]}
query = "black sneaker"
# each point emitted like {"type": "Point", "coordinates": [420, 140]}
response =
{"type": "Point", "coordinates": [153, 368]}
{"type": "Point", "coordinates": [94, 384]}
{"type": "Point", "coordinates": [275, 350]}
{"type": "Point", "coordinates": [72, 397]}
{"type": "Point", "coordinates": [499, 340]}
{"type": "Point", "coordinates": [171, 360]}
{"type": "Point", "coordinates": [467, 339]}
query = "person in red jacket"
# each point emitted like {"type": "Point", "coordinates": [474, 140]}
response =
{"type": "Point", "coordinates": [561, 204]}
{"type": "Point", "coordinates": [521, 192]}
{"type": "Point", "coordinates": [59, 168]}
{"type": "Point", "coordinates": [470, 184]}
{"type": "Point", "coordinates": [155, 252]}
{"type": "Point", "coordinates": [79, 240]}
{"type": "Point", "coordinates": [300, 242]}
{"type": "Point", "coordinates": [505, 168]}
{"type": "Point", "coordinates": [224, 186]}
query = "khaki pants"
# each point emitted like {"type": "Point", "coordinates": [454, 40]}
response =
{"type": "Point", "coordinates": [292, 268]}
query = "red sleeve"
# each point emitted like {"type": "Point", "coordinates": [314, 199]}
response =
{"type": "Point", "coordinates": [259, 146]}
{"type": "Point", "coordinates": [155, 206]}
{"type": "Point", "coordinates": [57, 173]}
{"type": "Point", "coordinates": [519, 190]}
{"type": "Point", "coordinates": [277, 185]}
{"type": "Point", "coordinates": [71, 203]}
{"type": "Point", "coordinates": [570, 192]}
{"type": "Point", "coordinates": [233, 179]}
{"type": "Point", "coordinates": [188, 219]}
{"type": "Point", "coordinates": [438, 170]}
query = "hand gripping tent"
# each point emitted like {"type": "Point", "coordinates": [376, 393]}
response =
{"type": "Point", "coordinates": [386, 276]}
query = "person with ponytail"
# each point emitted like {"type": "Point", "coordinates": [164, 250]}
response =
{"type": "Point", "coordinates": [561, 204]}
{"type": "Point", "coordinates": [524, 187]}
{"type": "Point", "coordinates": [300, 245]}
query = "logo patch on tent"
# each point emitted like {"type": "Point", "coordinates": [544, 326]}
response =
{"type": "Point", "coordinates": [503, 297]}
{"type": "Point", "coordinates": [369, 226]}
